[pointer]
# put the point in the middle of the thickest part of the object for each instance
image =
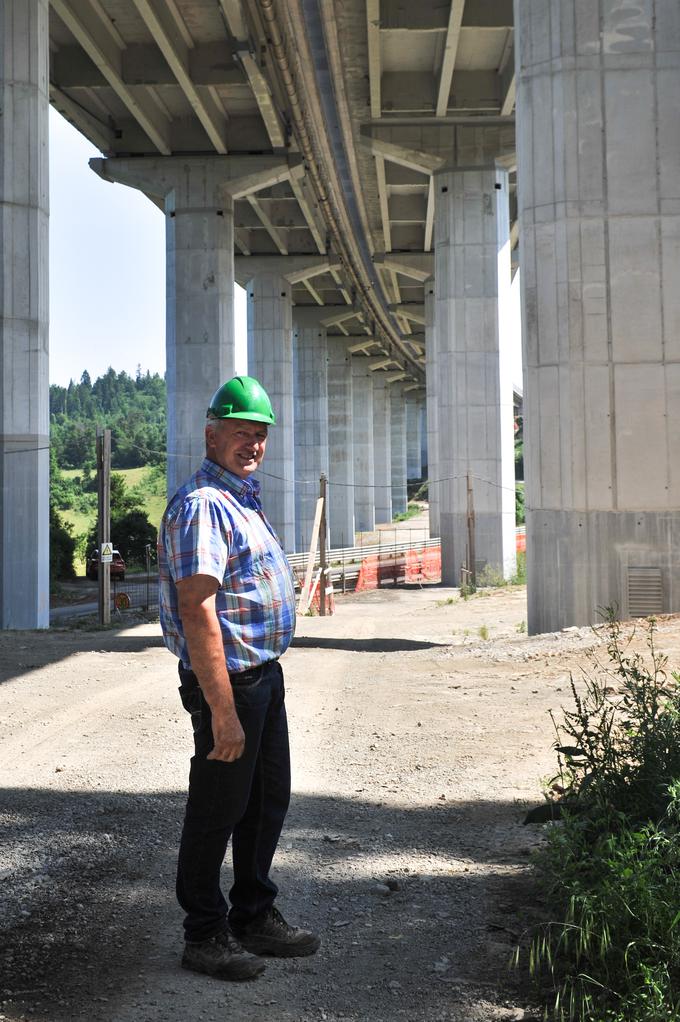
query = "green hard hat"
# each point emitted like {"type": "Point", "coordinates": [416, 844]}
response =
{"type": "Point", "coordinates": [242, 397]}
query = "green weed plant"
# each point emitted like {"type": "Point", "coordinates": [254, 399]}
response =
{"type": "Point", "coordinates": [610, 866]}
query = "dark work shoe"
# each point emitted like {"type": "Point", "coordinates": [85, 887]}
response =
{"type": "Point", "coordinates": [223, 957]}
{"type": "Point", "coordinates": [270, 934]}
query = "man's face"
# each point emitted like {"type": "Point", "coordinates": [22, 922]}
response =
{"type": "Point", "coordinates": [236, 444]}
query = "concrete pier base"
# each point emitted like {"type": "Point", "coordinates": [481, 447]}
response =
{"type": "Point", "coordinates": [24, 314]}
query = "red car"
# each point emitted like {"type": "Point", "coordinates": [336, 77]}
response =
{"type": "Point", "coordinates": [117, 566]}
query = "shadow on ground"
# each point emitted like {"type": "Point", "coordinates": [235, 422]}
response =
{"type": "Point", "coordinates": [88, 911]}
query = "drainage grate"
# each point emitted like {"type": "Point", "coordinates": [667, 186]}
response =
{"type": "Point", "coordinates": [645, 592]}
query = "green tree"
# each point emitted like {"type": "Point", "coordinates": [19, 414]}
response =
{"type": "Point", "coordinates": [131, 530]}
{"type": "Point", "coordinates": [62, 549]}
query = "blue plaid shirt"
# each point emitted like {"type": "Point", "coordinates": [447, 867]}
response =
{"type": "Point", "coordinates": [214, 525]}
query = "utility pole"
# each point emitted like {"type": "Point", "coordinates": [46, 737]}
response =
{"type": "Point", "coordinates": [322, 546]}
{"type": "Point", "coordinates": [104, 523]}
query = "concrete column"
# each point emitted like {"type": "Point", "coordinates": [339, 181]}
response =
{"type": "Point", "coordinates": [471, 415]}
{"type": "Point", "coordinates": [422, 412]}
{"type": "Point", "coordinates": [398, 449]}
{"type": "Point", "coordinates": [599, 175]}
{"type": "Point", "coordinates": [199, 235]}
{"type": "Point", "coordinates": [414, 469]}
{"type": "Point", "coordinates": [24, 312]}
{"type": "Point", "coordinates": [310, 356]}
{"type": "Point", "coordinates": [340, 446]}
{"type": "Point", "coordinates": [432, 410]}
{"type": "Point", "coordinates": [362, 429]}
{"type": "Point", "coordinates": [382, 447]}
{"type": "Point", "coordinates": [199, 312]}
{"type": "Point", "coordinates": [270, 360]}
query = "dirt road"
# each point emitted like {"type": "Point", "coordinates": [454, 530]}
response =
{"type": "Point", "coordinates": [420, 734]}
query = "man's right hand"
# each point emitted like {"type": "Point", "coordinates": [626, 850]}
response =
{"type": "Point", "coordinates": [230, 741]}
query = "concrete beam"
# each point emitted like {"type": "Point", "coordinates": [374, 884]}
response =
{"type": "Point", "coordinates": [313, 292]}
{"type": "Point", "coordinates": [449, 59]}
{"type": "Point", "coordinates": [416, 265]}
{"type": "Point", "coordinates": [361, 346]}
{"type": "Point", "coordinates": [304, 194]}
{"type": "Point", "coordinates": [235, 18]}
{"type": "Point", "coordinates": [103, 50]}
{"type": "Point", "coordinates": [429, 217]}
{"type": "Point", "coordinates": [97, 132]}
{"type": "Point", "coordinates": [338, 318]}
{"type": "Point", "coordinates": [273, 232]}
{"type": "Point", "coordinates": [168, 38]}
{"type": "Point", "coordinates": [506, 74]}
{"type": "Point", "coordinates": [295, 268]}
{"type": "Point", "coordinates": [240, 175]}
{"type": "Point", "coordinates": [415, 313]}
{"type": "Point", "coordinates": [374, 55]}
{"type": "Point", "coordinates": [272, 175]}
{"type": "Point", "coordinates": [414, 159]}
{"type": "Point", "coordinates": [263, 98]}
{"type": "Point", "coordinates": [315, 270]}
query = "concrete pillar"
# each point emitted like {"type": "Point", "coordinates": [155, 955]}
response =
{"type": "Point", "coordinates": [422, 412]}
{"type": "Point", "coordinates": [199, 312]}
{"type": "Point", "coordinates": [398, 449]}
{"type": "Point", "coordinates": [432, 410]}
{"type": "Point", "coordinates": [310, 356]}
{"type": "Point", "coordinates": [340, 446]}
{"type": "Point", "coordinates": [599, 177]}
{"type": "Point", "coordinates": [414, 467]}
{"type": "Point", "coordinates": [24, 312]}
{"type": "Point", "coordinates": [362, 431]}
{"type": "Point", "coordinates": [382, 448]}
{"type": "Point", "coordinates": [471, 416]}
{"type": "Point", "coordinates": [270, 360]}
{"type": "Point", "coordinates": [199, 239]}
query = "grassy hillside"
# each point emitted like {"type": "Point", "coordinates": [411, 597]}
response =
{"type": "Point", "coordinates": [153, 503]}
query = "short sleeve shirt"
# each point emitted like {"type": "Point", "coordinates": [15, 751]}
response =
{"type": "Point", "coordinates": [214, 525]}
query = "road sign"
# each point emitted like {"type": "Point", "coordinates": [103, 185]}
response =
{"type": "Point", "coordinates": [107, 553]}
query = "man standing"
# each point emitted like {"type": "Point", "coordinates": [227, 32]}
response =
{"type": "Point", "coordinates": [227, 607]}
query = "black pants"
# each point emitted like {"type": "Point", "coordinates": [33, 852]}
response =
{"type": "Point", "coordinates": [246, 800]}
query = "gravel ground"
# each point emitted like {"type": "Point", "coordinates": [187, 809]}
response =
{"type": "Point", "coordinates": [420, 734]}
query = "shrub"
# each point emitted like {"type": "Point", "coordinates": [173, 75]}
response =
{"type": "Point", "coordinates": [611, 866]}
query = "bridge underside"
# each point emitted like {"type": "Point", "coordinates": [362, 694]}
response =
{"type": "Point", "coordinates": [375, 173]}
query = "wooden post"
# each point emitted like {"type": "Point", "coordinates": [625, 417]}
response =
{"type": "Point", "coordinates": [322, 546]}
{"type": "Point", "coordinates": [472, 563]}
{"type": "Point", "coordinates": [306, 591]}
{"type": "Point", "coordinates": [104, 522]}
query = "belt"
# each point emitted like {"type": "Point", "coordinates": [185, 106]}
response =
{"type": "Point", "coordinates": [239, 675]}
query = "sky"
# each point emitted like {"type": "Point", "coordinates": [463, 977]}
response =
{"type": "Point", "coordinates": [107, 269]}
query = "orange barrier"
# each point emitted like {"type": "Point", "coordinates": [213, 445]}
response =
{"type": "Point", "coordinates": [423, 565]}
